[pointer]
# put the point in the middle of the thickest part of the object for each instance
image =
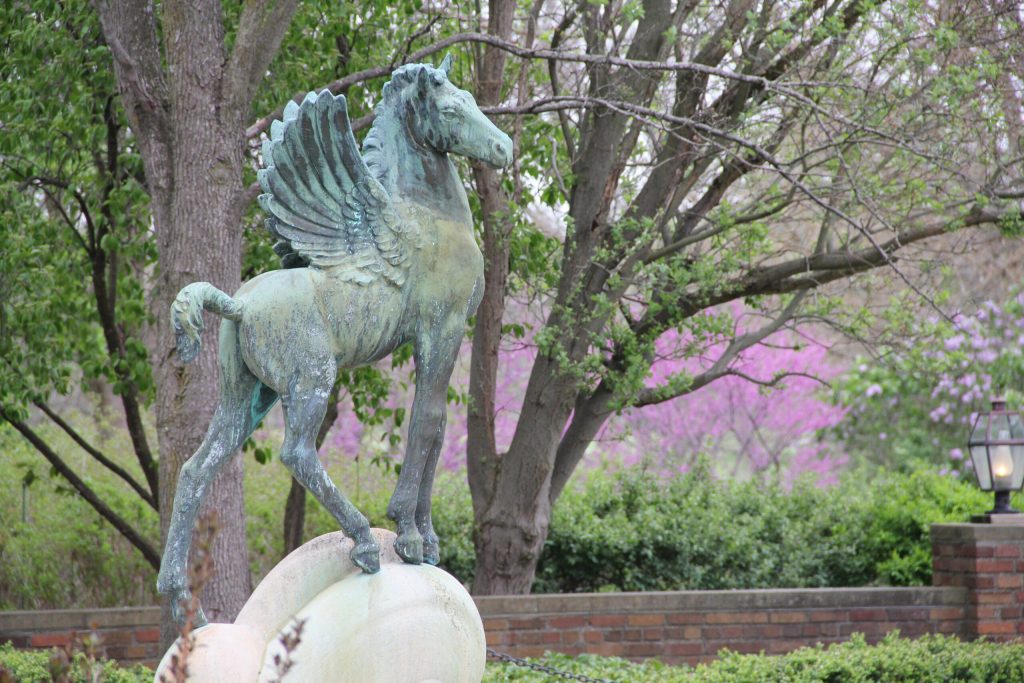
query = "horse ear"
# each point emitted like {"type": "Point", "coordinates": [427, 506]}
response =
{"type": "Point", "coordinates": [446, 64]}
{"type": "Point", "coordinates": [423, 79]}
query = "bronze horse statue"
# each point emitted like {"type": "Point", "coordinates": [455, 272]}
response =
{"type": "Point", "coordinates": [378, 250]}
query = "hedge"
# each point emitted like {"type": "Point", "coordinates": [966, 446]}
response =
{"type": "Point", "coordinates": [931, 659]}
{"type": "Point", "coordinates": [26, 666]}
{"type": "Point", "coordinates": [633, 532]}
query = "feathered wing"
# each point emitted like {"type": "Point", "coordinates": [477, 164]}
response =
{"type": "Point", "coordinates": [322, 199]}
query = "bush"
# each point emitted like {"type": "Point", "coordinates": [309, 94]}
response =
{"type": "Point", "coordinates": [64, 554]}
{"type": "Point", "coordinates": [629, 531]}
{"type": "Point", "coordinates": [633, 532]}
{"type": "Point", "coordinates": [35, 665]}
{"type": "Point", "coordinates": [931, 659]}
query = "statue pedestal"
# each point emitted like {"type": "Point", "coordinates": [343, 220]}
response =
{"type": "Point", "coordinates": [405, 624]}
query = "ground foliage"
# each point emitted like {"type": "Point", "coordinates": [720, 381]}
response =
{"type": "Point", "coordinates": [931, 659]}
{"type": "Point", "coordinates": [55, 550]}
{"type": "Point", "coordinates": [39, 666]}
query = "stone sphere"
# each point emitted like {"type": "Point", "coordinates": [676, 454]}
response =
{"type": "Point", "coordinates": [405, 624]}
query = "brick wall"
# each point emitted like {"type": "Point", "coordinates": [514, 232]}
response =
{"type": "Point", "coordinates": [127, 634]}
{"type": "Point", "coordinates": [692, 626]}
{"type": "Point", "coordinates": [987, 560]}
{"type": "Point", "coordinates": [978, 591]}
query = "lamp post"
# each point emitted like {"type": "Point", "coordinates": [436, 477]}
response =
{"type": "Point", "coordinates": [996, 445]}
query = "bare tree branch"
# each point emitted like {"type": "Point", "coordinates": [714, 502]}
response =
{"type": "Point", "coordinates": [723, 364]}
{"type": "Point", "coordinates": [96, 454]}
{"type": "Point", "coordinates": [348, 81]}
{"type": "Point", "coordinates": [83, 489]}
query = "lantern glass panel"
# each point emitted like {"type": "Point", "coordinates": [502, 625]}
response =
{"type": "Point", "coordinates": [1018, 467]}
{"type": "Point", "coordinates": [1017, 434]}
{"type": "Point", "coordinates": [1000, 427]}
{"type": "Point", "coordinates": [979, 456]}
{"type": "Point", "coordinates": [980, 432]}
{"type": "Point", "coordinates": [1016, 426]}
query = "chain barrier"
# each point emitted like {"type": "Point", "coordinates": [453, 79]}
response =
{"type": "Point", "coordinates": [549, 670]}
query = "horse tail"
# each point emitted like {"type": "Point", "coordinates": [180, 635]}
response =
{"type": "Point", "coordinates": [187, 315]}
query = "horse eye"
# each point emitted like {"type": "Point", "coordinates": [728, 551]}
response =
{"type": "Point", "coordinates": [449, 114]}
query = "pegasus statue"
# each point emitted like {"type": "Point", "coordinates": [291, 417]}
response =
{"type": "Point", "coordinates": [378, 250]}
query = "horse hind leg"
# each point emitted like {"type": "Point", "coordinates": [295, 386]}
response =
{"type": "Point", "coordinates": [231, 424]}
{"type": "Point", "coordinates": [305, 408]}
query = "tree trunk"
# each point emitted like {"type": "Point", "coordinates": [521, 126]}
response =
{"type": "Point", "coordinates": [189, 122]}
{"type": "Point", "coordinates": [512, 523]}
{"type": "Point", "coordinates": [483, 461]}
{"type": "Point", "coordinates": [202, 243]}
{"type": "Point", "coordinates": [512, 529]}
{"type": "Point", "coordinates": [294, 517]}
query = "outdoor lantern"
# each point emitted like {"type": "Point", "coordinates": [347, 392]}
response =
{"type": "Point", "coordinates": [997, 451]}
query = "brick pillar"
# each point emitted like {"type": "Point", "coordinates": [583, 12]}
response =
{"type": "Point", "coordinates": [987, 560]}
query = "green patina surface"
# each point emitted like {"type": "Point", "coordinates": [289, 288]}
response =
{"type": "Point", "coordinates": [378, 251]}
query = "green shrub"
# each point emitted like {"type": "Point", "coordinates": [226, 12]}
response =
{"type": "Point", "coordinates": [633, 532]}
{"type": "Point", "coordinates": [628, 531]}
{"type": "Point", "coordinates": [931, 659]}
{"type": "Point", "coordinates": [64, 554]}
{"type": "Point", "coordinates": [34, 665]}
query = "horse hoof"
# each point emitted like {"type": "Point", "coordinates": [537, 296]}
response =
{"type": "Point", "coordinates": [366, 556]}
{"type": "Point", "coordinates": [431, 548]}
{"type": "Point", "coordinates": [179, 610]}
{"type": "Point", "coordinates": [409, 546]}
{"type": "Point", "coordinates": [168, 587]}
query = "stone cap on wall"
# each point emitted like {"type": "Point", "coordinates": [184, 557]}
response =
{"type": "Point", "coordinates": [687, 601]}
{"type": "Point", "coordinates": [78, 619]}
{"type": "Point", "coordinates": [982, 533]}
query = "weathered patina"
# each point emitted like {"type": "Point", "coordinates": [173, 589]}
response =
{"type": "Point", "coordinates": [378, 250]}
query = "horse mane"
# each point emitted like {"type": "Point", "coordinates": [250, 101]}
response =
{"type": "Point", "coordinates": [391, 98]}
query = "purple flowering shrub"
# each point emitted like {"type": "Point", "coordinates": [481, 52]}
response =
{"type": "Point", "coordinates": [915, 403]}
{"type": "Point", "coordinates": [744, 427]}
{"type": "Point", "coordinates": [745, 424]}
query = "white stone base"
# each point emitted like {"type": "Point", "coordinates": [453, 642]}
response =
{"type": "Point", "coordinates": [405, 624]}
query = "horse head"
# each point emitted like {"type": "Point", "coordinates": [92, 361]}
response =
{"type": "Point", "coordinates": [447, 119]}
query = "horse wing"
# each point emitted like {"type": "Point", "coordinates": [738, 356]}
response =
{"type": "Point", "coordinates": [323, 201]}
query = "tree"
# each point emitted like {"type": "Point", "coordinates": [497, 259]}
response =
{"type": "Point", "coordinates": [187, 82]}
{"type": "Point", "coordinates": [90, 166]}
{"type": "Point", "coordinates": [72, 299]}
{"type": "Point", "coordinates": [702, 155]}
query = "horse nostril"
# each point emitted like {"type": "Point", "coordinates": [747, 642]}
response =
{"type": "Point", "coordinates": [503, 152]}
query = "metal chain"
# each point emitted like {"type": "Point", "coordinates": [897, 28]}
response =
{"type": "Point", "coordinates": [549, 670]}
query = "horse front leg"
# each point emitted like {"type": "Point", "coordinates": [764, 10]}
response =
{"type": "Point", "coordinates": [424, 522]}
{"type": "Point", "coordinates": [435, 358]}
{"type": "Point", "coordinates": [304, 409]}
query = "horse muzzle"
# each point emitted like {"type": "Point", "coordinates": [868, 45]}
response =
{"type": "Point", "coordinates": [500, 154]}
